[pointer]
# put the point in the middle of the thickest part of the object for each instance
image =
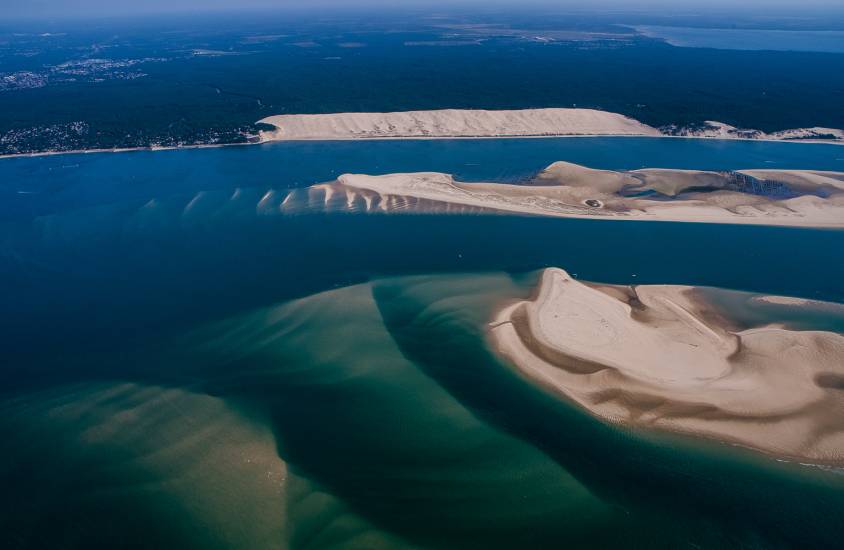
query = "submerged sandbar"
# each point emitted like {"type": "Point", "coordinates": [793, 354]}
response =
{"type": "Point", "coordinates": [447, 123]}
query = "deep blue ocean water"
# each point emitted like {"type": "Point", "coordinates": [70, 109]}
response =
{"type": "Point", "coordinates": [149, 270]}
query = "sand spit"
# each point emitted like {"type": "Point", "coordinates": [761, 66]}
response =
{"type": "Point", "coordinates": [448, 123]}
{"type": "Point", "coordinates": [786, 198]}
{"type": "Point", "coordinates": [660, 357]}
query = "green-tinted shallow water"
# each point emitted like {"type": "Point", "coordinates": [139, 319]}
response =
{"type": "Point", "coordinates": [183, 370]}
{"type": "Point", "coordinates": [374, 416]}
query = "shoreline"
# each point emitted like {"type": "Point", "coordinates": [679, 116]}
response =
{"type": "Point", "coordinates": [123, 150]}
{"type": "Point", "coordinates": [400, 138]}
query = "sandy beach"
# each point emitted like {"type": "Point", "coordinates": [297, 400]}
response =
{"type": "Point", "coordinates": [661, 357]}
{"type": "Point", "coordinates": [782, 198]}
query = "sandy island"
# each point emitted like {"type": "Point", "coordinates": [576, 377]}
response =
{"type": "Point", "coordinates": [658, 356]}
{"type": "Point", "coordinates": [762, 197]}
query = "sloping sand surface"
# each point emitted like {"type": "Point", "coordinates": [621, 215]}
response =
{"type": "Point", "coordinates": [575, 175]}
{"type": "Point", "coordinates": [453, 123]}
{"type": "Point", "coordinates": [660, 357]}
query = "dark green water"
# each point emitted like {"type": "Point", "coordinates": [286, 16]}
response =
{"type": "Point", "coordinates": [213, 377]}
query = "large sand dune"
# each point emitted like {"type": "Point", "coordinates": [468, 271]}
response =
{"type": "Point", "coordinates": [453, 123]}
{"type": "Point", "coordinates": [662, 357]}
{"type": "Point", "coordinates": [786, 198]}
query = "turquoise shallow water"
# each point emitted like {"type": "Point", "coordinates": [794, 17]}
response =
{"type": "Point", "coordinates": [159, 387]}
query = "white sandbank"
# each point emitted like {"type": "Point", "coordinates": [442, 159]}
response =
{"type": "Point", "coordinates": [569, 190]}
{"type": "Point", "coordinates": [660, 357]}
